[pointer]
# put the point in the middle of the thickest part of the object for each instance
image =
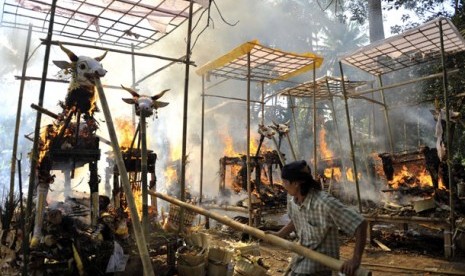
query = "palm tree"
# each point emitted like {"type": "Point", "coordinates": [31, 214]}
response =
{"type": "Point", "coordinates": [337, 39]}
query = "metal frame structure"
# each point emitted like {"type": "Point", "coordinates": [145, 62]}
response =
{"type": "Point", "coordinates": [253, 62]}
{"type": "Point", "coordinates": [425, 43]}
{"type": "Point", "coordinates": [323, 89]}
{"type": "Point", "coordinates": [120, 23]}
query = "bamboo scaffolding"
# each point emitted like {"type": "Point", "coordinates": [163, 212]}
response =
{"type": "Point", "coordinates": [330, 262]}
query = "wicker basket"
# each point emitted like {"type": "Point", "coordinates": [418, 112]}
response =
{"type": "Point", "coordinates": [247, 268]}
{"type": "Point", "coordinates": [187, 270]}
{"type": "Point", "coordinates": [174, 217]}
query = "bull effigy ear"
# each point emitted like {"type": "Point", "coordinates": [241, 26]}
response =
{"type": "Point", "coordinates": [101, 57]}
{"type": "Point", "coordinates": [129, 101]}
{"type": "Point", "coordinates": [62, 64]}
{"type": "Point", "coordinates": [70, 54]}
{"type": "Point", "coordinates": [132, 91]}
{"type": "Point", "coordinates": [158, 104]}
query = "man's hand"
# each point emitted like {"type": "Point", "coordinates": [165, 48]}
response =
{"type": "Point", "coordinates": [349, 267]}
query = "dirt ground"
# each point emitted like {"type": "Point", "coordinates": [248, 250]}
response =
{"type": "Point", "coordinates": [409, 255]}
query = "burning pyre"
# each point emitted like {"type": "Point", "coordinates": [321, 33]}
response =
{"type": "Point", "coordinates": [267, 191]}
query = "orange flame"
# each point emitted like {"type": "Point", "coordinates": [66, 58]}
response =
{"type": "Point", "coordinates": [413, 176]}
{"type": "Point", "coordinates": [228, 146]}
{"type": "Point", "coordinates": [324, 151]}
{"type": "Point", "coordinates": [171, 175]}
{"type": "Point", "coordinates": [334, 173]}
{"type": "Point", "coordinates": [125, 132]}
{"type": "Point", "coordinates": [175, 152]}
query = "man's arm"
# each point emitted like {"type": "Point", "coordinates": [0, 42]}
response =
{"type": "Point", "coordinates": [286, 230]}
{"type": "Point", "coordinates": [350, 266]}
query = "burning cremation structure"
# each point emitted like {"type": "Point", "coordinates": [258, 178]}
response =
{"type": "Point", "coordinates": [424, 44]}
{"type": "Point", "coordinates": [253, 62]}
{"type": "Point", "coordinates": [119, 24]}
{"type": "Point", "coordinates": [329, 164]}
{"type": "Point", "coordinates": [68, 141]}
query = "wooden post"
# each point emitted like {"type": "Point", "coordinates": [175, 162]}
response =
{"type": "Point", "coordinates": [144, 171]}
{"type": "Point", "coordinates": [351, 140]}
{"type": "Point", "coordinates": [290, 145]}
{"type": "Point", "coordinates": [249, 184]}
{"type": "Point", "coordinates": [333, 264]}
{"type": "Point", "coordinates": [18, 120]}
{"type": "Point", "coordinates": [94, 195]}
{"type": "Point", "coordinates": [450, 251]}
{"type": "Point", "coordinates": [278, 151]}
{"type": "Point", "coordinates": [139, 236]}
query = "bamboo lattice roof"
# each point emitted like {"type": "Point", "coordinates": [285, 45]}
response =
{"type": "Point", "coordinates": [267, 64]}
{"type": "Point", "coordinates": [111, 22]}
{"type": "Point", "coordinates": [413, 47]}
{"type": "Point", "coordinates": [323, 88]}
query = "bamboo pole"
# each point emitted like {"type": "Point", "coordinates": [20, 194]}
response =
{"type": "Point", "coordinates": [18, 119]}
{"type": "Point", "coordinates": [35, 147]}
{"type": "Point", "coordinates": [330, 262]}
{"type": "Point", "coordinates": [290, 145]}
{"type": "Point", "coordinates": [432, 76]}
{"type": "Point", "coordinates": [338, 134]}
{"type": "Point", "coordinates": [140, 54]}
{"type": "Point", "coordinates": [295, 122]}
{"type": "Point", "coordinates": [143, 170]}
{"type": "Point", "coordinates": [202, 139]}
{"type": "Point", "coordinates": [249, 184]}
{"type": "Point", "coordinates": [133, 86]}
{"type": "Point", "coordinates": [281, 158]}
{"type": "Point", "coordinates": [315, 160]}
{"type": "Point", "coordinates": [351, 140]}
{"type": "Point", "coordinates": [140, 239]}
{"type": "Point", "coordinates": [21, 219]}
{"type": "Point", "coordinates": [386, 115]}
{"type": "Point", "coordinates": [450, 252]}
{"type": "Point", "coordinates": [184, 117]}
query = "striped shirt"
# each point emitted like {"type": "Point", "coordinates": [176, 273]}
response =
{"type": "Point", "coordinates": [317, 221]}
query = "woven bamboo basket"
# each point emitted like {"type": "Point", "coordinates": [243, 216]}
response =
{"type": "Point", "coordinates": [174, 217]}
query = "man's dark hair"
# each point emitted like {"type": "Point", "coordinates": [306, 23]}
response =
{"type": "Point", "coordinates": [300, 171]}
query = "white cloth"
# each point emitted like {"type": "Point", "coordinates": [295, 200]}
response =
{"type": "Point", "coordinates": [440, 145]}
{"type": "Point", "coordinates": [118, 260]}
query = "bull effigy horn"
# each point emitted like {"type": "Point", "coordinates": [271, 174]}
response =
{"type": "Point", "coordinates": [132, 91]}
{"type": "Point", "coordinates": [101, 57]}
{"type": "Point", "coordinates": [159, 95]}
{"type": "Point", "coordinates": [70, 54]}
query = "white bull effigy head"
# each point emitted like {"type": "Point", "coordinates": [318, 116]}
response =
{"type": "Point", "coordinates": [83, 70]}
{"type": "Point", "coordinates": [265, 131]}
{"type": "Point", "coordinates": [144, 103]}
{"type": "Point", "coordinates": [282, 129]}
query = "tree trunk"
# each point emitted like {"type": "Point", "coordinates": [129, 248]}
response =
{"type": "Point", "coordinates": [375, 19]}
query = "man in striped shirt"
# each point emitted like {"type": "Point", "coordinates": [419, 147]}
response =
{"type": "Point", "coordinates": [316, 218]}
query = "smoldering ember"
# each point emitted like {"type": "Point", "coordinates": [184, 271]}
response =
{"type": "Point", "coordinates": [150, 137]}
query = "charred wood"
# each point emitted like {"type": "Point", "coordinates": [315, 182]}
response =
{"type": "Point", "coordinates": [388, 167]}
{"type": "Point", "coordinates": [432, 163]}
